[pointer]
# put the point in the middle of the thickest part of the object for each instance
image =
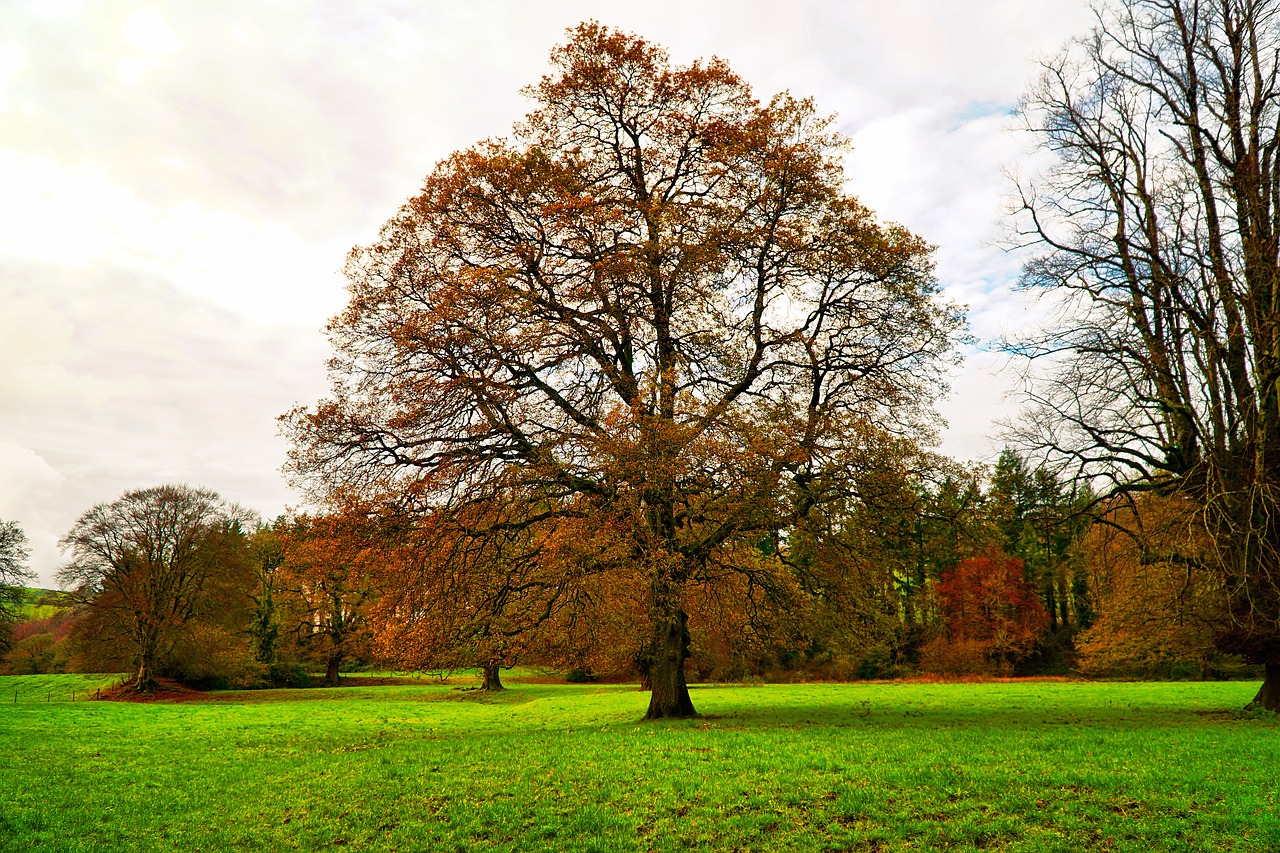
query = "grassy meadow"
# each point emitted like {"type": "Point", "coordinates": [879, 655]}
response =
{"type": "Point", "coordinates": [1019, 766]}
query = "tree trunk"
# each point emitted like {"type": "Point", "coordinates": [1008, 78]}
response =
{"type": "Point", "coordinates": [644, 666]}
{"type": "Point", "coordinates": [670, 697]}
{"type": "Point", "coordinates": [1051, 604]}
{"type": "Point", "coordinates": [1268, 697]}
{"type": "Point", "coordinates": [145, 680]}
{"type": "Point", "coordinates": [492, 679]}
{"type": "Point", "coordinates": [331, 677]}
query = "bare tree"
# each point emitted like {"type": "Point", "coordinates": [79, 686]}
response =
{"type": "Point", "coordinates": [655, 306]}
{"type": "Point", "coordinates": [14, 574]}
{"type": "Point", "coordinates": [1158, 229]}
{"type": "Point", "coordinates": [153, 562]}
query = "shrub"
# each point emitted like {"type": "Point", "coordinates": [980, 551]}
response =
{"type": "Point", "coordinates": [288, 674]}
{"type": "Point", "coordinates": [877, 662]}
{"type": "Point", "coordinates": [209, 657]}
{"type": "Point", "coordinates": [955, 657]}
{"type": "Point", "coordinates": [580, 675]}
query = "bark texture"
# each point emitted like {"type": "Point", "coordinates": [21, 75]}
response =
{"type": "Point", "coordinates": [145, 679]}
{"type": "Point", "coordinates": [331, 676]}
{"type": "Point", "coordinates": [670, 696]}
{"type": "Point", "coordinates": [1268, 696]}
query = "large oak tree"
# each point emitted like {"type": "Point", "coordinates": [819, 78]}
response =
{"type": "Point", "coordinates": [1160, 231]}
{"type": "Point", "coordinates": [654, 307]}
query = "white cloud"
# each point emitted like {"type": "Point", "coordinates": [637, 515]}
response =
{"type": "Point", "coordinates": [76, 217]}
{"type": "Point", "coordinates": [183, 179]}
{"type": "Point", "coordinates": [28, 496]}
{"type": "Point", "coordinates": [29, 479]}
{"type": "Point", "coordinates": [148, 31]}
{"type": "Point", "coordinates": [114, 381]}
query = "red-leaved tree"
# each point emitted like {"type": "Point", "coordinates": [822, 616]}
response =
{"type": "Point", "coordinates": [993, 616]}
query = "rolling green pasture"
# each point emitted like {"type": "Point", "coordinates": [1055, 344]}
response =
{"type": "Point", "coordinates": [29, 689]}
{"type": "Point", "coordinates": [37, 611]}
{"type": "Point", "coordinates": [426, 767]}
{"type": "Point", "coordinates": [39, 604]}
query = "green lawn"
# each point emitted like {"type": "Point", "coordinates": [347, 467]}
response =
{"type": "Point", "coordinates": [1018, 766]}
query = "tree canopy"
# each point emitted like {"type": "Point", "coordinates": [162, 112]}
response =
{"type": "Point", "coordinates": [1158, 229]}
{"type": "Point", "coordinates": [653, 305]}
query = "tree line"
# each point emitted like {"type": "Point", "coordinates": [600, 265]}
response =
{"type": "Point", "coordinates": [998, 572]}
{"type": "Point", "coordinates": [641, 387]}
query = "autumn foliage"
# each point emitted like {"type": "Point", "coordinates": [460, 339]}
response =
{"type": "Point", "coordinates": [993, 617]}
{"type": "Point", "coordinates": [452, 600]}
{"type": "Point", "coordinates": [651, 320]}
{"type": "Point", "coordinates": [326, 582]}
{"type": "Point", "coordinates": [41, 645]}
{"type": "Point", "coordinates": [1156, 614]}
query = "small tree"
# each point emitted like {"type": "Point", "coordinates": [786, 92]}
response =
{"type": "Point", "coordinates": [156, 566]}
{"type": "Point", "coordinates": [267, 549]}
{"type": "Point", "coordinates": [14, 575]}
{"type": "Point", "coordinates": [1041, 520]}
{"type": "Point", "coordinates": [453, 599]}
{"type": "Point", "coordinates": [324, 582]}
{"type": "Point", "coordinates": [991, 608]}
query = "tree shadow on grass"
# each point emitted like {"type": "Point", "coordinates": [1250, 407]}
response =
{"type": "Point", "coordinates": [921, 715]}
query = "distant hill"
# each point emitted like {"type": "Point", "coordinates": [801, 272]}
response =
{"type": "Point", "coordinates": [43, 603]}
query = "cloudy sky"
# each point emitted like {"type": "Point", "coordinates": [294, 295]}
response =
{"type": "Point", "coordinates": [181, 181]}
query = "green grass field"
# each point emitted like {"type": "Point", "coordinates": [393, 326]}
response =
{"type": "Point", "coordinates": [425, 767]}
{"type": "Point", "coordinates": [36, 689]}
